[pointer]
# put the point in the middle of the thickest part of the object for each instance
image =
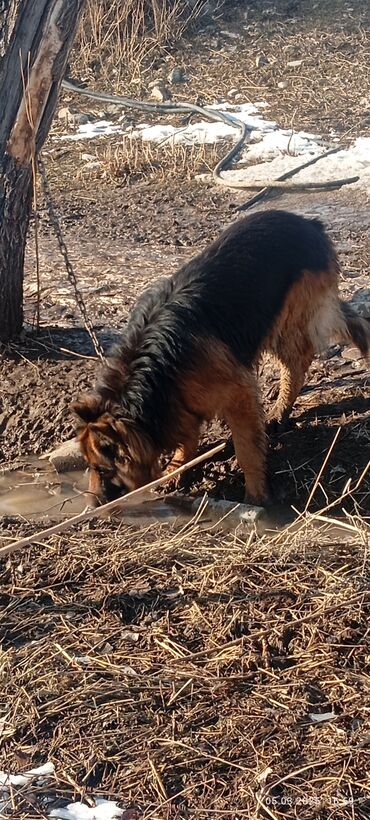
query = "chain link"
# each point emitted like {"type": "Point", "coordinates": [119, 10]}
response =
{"type": "Point", "coordinates": [54, 221]}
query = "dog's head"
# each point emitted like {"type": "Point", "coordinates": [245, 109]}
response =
{"type": "Point", "coordinates": [120, 455]}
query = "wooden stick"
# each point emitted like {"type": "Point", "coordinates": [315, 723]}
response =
{"type": "Point", "coordinates": [275, 184]}
{"type": "Point", "coordinates": [322, 468]}
{"type": "Point", "coordinates": [112, 505]}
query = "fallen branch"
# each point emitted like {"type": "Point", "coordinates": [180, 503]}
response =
{"type": "Point", "coordinates": [293, 186]}
{"type": "Point", "coordinates": [111, 506]}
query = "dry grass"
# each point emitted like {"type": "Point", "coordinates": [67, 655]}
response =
{"type": "Point", "coordinates": [177, 671]}
{"type": "Point", "coordinates": [121, 39]}
{"type": "Point", "coordinates": [132, 160]}
{"type": "Point", "coordinates": [329, 91]}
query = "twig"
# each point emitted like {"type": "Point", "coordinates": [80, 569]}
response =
{"type": "Point", "coordinates": [109, 507]}
{"type": "Point", "coordinates": [322, 468]}
{"type": "Point", "coordinates": [349, 490]}
{"type": "Point", "coordinates": [336, 522]}
{"type": "Point", "coordinates": [306, 517]}
{"type": "Point", "coordinates": [276, 184]}
{"type": "Point", "coordinates": [291, 134]}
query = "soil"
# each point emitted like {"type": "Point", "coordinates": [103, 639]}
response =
{"type": "Point", "coordinates": [120, 243]}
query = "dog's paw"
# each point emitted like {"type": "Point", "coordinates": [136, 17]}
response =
{"type": "Point", "coordinates": [275, 427]}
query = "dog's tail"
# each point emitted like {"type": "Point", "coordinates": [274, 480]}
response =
{"type": "Point", "coordinates": [356, 329]}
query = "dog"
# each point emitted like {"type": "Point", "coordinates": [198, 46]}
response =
{"type": "Point", "coordinates": [268, 284]}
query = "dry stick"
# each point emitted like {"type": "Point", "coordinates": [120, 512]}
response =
{"type": "Point", "coordinates": [315, 764]}
{"type": "Point", "coordinates": [307, 517]}
{"type": "Point", "coordinates": [344, 495]}
{"type": "Point", "coordinates": [292, 133]}
{"type": "Point", "coordinates": [322, 468]}
{"type": "Point", "coordinates": [336, 522]}
{"type": "Point", "coordinates": [275, 184]}
{"type": "Point", "coordinates": [112, 505]}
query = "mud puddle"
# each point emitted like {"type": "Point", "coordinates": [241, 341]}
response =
{"type": "Point", "coordinates": [36, 491]}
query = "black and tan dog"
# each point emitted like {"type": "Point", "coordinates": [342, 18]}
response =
{"type": "Point", "coordinates": [269, 283]}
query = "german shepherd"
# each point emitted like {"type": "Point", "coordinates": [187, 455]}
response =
{"type": "Point", "coordinates": [269, 283]}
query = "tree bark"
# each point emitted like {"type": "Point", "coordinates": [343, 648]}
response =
{"type": "Point", "coordinates": [35, 39]}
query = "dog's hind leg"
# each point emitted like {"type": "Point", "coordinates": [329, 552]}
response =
{"type": "Point", "coordinates": [244, 415]}
{"type": "Point", "coordinates": [302, 329]}
{"type": "Point", "coordinates": [294, 359]}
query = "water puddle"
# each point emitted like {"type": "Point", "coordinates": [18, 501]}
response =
{"type": "Point", "coordinates": [35, 490]}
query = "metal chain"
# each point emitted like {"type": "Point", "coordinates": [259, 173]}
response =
{"type": "Point", "coordinates": [54, 221]}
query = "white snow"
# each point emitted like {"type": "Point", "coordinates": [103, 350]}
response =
{"type": "Point", "coordinates": [270, 151]}
{"type": "Point", "coordinates": [27, 777]}
{"type": "Point", "coordinates": [89, 130]}
{"type": "Point", "coordinates": [321, 717]}
{"type": "Point", "coordinates": [202, 132]}
{"type": "Point", "coordinates": [103, 810]}
{"type": "Point", "coordinates": [7, 779]}
{"type": "Point", "coordinates": [207, 132]}
{"type": "Point", "coordinates": [352, 161]}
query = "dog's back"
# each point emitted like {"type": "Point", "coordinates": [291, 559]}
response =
{"type": "Point", "coordinates": [235, 289]}
{"type": "Point", "coordinates": [230, 294]}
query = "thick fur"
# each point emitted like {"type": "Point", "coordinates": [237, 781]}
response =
{"type": "Point", "coordinates": [269, 283]}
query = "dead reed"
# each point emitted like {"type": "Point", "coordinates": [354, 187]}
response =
{"type": "Point", "coordinates": [120, 40]}
{"type": "Point", "coordinates": [131, 160]}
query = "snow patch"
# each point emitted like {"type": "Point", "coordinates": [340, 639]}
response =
{"type": "Point", "coordinates": [269, 152]}
{"type": "Point", "coordinates": [7, 779]}
{"type": "Point", "coordinates": [103, 810]}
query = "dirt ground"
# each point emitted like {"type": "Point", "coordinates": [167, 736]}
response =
{"type": "Point", "coordinates": [207, 654]}
{"type": "Point", "coordinates": [137, 241]}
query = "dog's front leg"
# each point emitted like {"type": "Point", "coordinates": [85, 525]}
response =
{"type": "Point", "coordinates": [94, 492]}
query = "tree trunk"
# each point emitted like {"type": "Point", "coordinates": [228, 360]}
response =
{"type": "Point", "coordinates": [35, 40]}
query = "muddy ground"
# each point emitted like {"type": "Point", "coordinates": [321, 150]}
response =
{"type": "Point", "coordinates": [123, 239]}
{"type": "Point", "coordinates": [123, 231]}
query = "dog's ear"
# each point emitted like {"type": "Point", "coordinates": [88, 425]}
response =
{"type": "Point", "coordinates": [88, 408]}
